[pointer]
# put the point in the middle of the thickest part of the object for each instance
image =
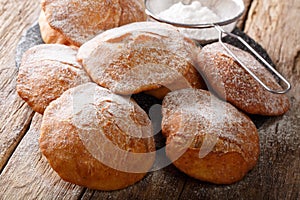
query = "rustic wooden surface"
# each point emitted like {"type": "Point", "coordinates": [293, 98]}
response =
{"type": "Point", "coordinates": [25, 173]}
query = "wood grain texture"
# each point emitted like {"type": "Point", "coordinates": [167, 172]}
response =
{"type": "Point", "coordinates": [275, 25]}
{"type": "Point", "coordinates": [163, 184]}
{"type": "Point", "coordinates": [28, 174]}
{"type": "Point", "coordinates": [15, 17]}
{"type": "Point", "coordinates": [241, 21]}
{"type": "Point", "coordinates": [15, 115]}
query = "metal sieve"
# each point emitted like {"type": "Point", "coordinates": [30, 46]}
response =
{"type": "Point", "coordinates": [154, 7]}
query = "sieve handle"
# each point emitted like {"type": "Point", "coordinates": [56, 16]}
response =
{"type": "Point", "coordinates": [288, 85]}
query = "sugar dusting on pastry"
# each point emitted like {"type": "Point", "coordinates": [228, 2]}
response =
{"type": "Point", "coordinates": [46, 71]}
{"type": "Point", "coordinates": [238, 87]}
{"type": "Point", "coordinates": [85, 143]}
{"type": "Point", "coordinates": [207, 138]}
{"type": "Point", "coordinates": [139, 57]}
{"type": "Point", "coordinates": [80, 21]}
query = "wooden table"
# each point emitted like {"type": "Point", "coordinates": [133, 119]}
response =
{"type": "Point", "coordinates": [25, 173]}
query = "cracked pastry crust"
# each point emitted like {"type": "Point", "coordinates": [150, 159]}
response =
{"type": "Point", "coordinates": [139, 57]}
{"type": "Point", "coordinates": [49, 35]}
{"type": "Point", "coordinates": [232, 83]}
{"type": "Point", "coordinates": [46, 71]}
{"type": "Point", "coordinates": [97, 139]}
{"type": "Point", "coordinates": [208, 139]}
{"type": "Point", "coordinates": [80, 20]}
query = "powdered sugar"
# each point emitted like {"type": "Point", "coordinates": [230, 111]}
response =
{"type": "Point", "coordinates": [137, 57]}
{"type": "Point", "coordinates": [112, 128]}
{"type": "Point", "coordinates": [54, 52]}
{"type": "Point", "coordinates": [202, 114]}
{"type": "Point", "coordinates": [198, 12]}
{"type": "Point", "coordinates": [46, 72]}
{"type": "Point", "coordinates": [235, 85]}
{"type": "Point", "coordinates": [194, 13]}
{"type": "Point", "coordinates": [80, 20]}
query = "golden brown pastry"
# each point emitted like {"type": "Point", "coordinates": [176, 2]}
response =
{"type": "Point", "coordinates": [132, 11]}
{"type": "Point", "coordinates": [208, 139]}
{"type": "Point", "coordinates": [192, 76]}
{"type": "Point", "coordinates": [49, 35]}
{"type": "Point", "coordinates": [97, 139]}
{"type": "Point", "coordinates": [232, 83]}
{"type": "Point", "coordinates": [158, 93]}
{"type": "Point", "coordinates": [80, 20]}
{"type": "Point", "coordinates": [46, 71]}
{"type": "Point", "coordinates": [139, 57]}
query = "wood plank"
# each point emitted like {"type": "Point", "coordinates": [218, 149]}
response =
{"type": "Point", "coordinates": [15, 115]}
{"type": "Point", "coordinates": [163, 184]}
{"type": "Point", "coordinates": [275, 25]}
{"type": "Point", "coordinates": [15, 17]}
{"type": "Point", "coordinates": [28, 174]}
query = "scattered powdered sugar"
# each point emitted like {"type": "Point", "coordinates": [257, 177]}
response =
{"type": "Point", "coordinates": [113, 128]}
{"type": "Point", "coordinates": [46, 72]}
{"type": "Point", "coordinates": [80, 20]}
{"type": "Point", "coordinates": [238, 87]}
{"type": "Point", "coordinates": [205, 117]}
{"type": "Point", "coordinates": [138, 57]}
{"type": "Point", "coordinates": [54, 52]}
